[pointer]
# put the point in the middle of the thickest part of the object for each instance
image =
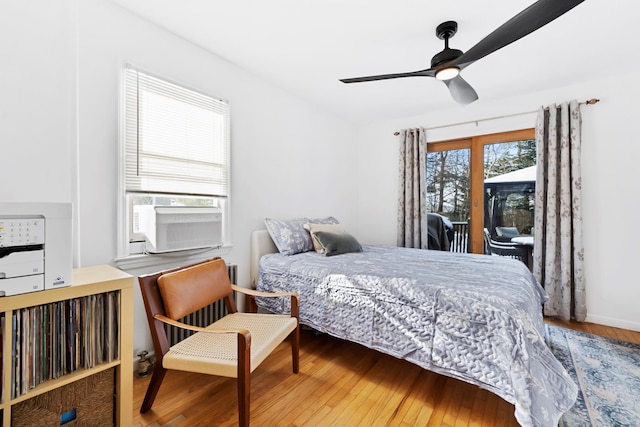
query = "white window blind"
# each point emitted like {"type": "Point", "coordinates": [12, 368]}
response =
{"type": "Point", "coordinates": [176, 139]}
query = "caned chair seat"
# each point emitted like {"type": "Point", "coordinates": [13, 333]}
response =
{"type": "Point", "coordinates": [216, 354]}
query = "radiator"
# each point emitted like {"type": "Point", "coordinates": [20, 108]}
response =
{"type": "Point", "coordinates": [203, 317]}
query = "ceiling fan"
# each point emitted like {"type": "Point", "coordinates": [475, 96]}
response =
{"type": "Point", "coordinates": [447, 64]}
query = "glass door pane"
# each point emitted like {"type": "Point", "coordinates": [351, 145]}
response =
{"type": "Point", "coordinates": [509, 188]}
{"type": "Point", "coordinates": [448, 191]}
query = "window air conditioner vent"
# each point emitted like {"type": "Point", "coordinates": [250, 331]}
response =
{"type": "Point", "coordinates": [176, 228]}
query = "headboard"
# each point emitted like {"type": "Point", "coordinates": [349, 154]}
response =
{"type": "Point", "coordinates": [261, 244]}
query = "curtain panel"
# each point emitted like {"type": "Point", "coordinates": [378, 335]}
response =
{"type": "Point", "coordinates": [412, 206]}
{"type": "Point", "coordinates": [558, 259]}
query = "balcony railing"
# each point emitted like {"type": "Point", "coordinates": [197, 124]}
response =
{"type": "Point", "coordinates": [460, 242]}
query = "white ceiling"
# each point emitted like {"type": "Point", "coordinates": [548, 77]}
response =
{"type": "Point", "coordinates": [305, 46]}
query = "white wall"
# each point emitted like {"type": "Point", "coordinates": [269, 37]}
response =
{"type": "Point", "coordinates": [37, 101]}
{"type": "Point", "coordinates": [611, 190]}
{"type": "Point", "coordinates": [60, 127]}
{"type": "Point", "coordinates": [288, 158]}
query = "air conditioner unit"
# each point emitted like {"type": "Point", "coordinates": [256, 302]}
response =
{"type": "Point", "coordinates": [176, 228]}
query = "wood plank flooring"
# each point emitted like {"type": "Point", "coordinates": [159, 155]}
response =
{"type": "Point", "coordinates": [339, 384]}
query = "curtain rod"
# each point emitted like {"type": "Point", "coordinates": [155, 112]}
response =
{"type": "Point", "coordinates": [587, 102]}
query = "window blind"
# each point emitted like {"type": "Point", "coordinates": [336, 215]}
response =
{"type": "Point", "coordinates": [176, 139]}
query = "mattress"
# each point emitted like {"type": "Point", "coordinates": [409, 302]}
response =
{"type": "Point", "coordinates": [476, 318]}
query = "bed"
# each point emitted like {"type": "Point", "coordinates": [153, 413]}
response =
{"type": "Point", "coordinates": [476, 318]}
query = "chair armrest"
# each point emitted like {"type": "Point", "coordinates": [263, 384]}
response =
{"type": "Point", "coordinates": [181, 325]}
{"type": "Point", "coordinates": [255, 293]}
{"type": "Point", "coordinates": [295, 298]}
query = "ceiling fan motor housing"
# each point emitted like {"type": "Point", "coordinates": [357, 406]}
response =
{"type": "Point", "coordinates": [445, 56]}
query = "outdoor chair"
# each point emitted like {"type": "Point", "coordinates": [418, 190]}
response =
{"type": "Point", "coordinates": [507, 232]}
{"type": "Point", "coordinates": [511, 250]}
{"type": "Point", "coordinates": [232, 346]}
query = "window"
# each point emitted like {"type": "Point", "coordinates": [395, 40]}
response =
{"type": "Point", "coordinates": [464, 183]}
{"type": "Point", "coordinates": [175, 152]}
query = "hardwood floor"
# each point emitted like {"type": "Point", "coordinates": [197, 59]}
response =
{"type": "Point", "coordinates": [339, 384]}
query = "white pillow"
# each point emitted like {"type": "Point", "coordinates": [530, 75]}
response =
{"type": "Point", "coordinates": [314, 228]}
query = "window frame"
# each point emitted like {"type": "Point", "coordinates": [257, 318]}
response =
{"type": "Point", "coordinates": [127, 258]}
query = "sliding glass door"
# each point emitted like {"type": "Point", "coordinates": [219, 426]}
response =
{"type": "Point", "coordinates": [456, 173]}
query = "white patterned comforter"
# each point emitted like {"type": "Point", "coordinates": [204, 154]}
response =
{"type": "Point", "coordinates": [473, 317]}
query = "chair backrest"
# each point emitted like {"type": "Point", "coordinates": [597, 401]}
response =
{"type": "Point", "coordinates": [437, 237]}
{"type": "Point", "coordinates": [192, 288]}
{"type": "Point", "coordinates": [182, 295]}
{"type": "Point", "coordinates": [507, 232]}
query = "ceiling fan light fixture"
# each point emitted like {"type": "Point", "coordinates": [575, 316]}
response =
{"type": "Point", "coordinates": [447, 73]}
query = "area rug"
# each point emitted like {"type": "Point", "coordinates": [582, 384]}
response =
{"type": "Point", "coordinates": [607, 372]}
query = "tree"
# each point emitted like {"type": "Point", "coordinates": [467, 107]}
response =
{"type": "Point", "coordinates": [448, 183]}
{"type": "Point", "coordinates": [507, 157]}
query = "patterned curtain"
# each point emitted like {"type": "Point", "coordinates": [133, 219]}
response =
{"type": "Point", "coordinates": [558, 257]}
{"type": "Point", "coordinates": [412, 206]}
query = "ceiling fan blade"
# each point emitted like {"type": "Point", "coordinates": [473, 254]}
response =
{"type": "Point", "coordinates": [461, 91]}
{"type": "Point", "coordinates": [423, 73]}
{"type": "Point", "coordinates": [529, 20]}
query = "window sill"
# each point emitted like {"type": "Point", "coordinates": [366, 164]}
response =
{"type": "Point", "coordinates": [161, 260]}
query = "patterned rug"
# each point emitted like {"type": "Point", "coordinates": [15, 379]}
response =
{"type": "Point", "coordinates": [607, 372]}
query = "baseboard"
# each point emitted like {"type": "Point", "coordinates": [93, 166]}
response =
{"type": "Point", "coordinates": [610, 321]}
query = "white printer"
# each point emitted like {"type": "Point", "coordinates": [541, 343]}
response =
{"type": "Point", "coordinates": [35, 246]}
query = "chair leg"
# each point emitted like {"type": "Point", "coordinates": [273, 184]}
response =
{"type": "Point", "coordinates": [244, 380]}
{"type": "Point", "coordinates": [154, 386]}
{"type": "Point", "coordinates": [295, 349]}
{"type": "Point", "coordinates": [244, 387]}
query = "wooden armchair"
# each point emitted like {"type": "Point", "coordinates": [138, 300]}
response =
{"type": "Point", "coordinates": [233, 346]}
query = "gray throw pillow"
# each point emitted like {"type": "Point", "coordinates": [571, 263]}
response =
{"type": "Point", "coordinates": [338, 243]}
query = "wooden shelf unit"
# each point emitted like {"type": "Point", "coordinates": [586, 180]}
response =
{"type": "Point", "coordinates": [86, 281]}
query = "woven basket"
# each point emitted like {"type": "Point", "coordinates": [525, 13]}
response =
{"type": "Point", "coordinates": [91, 397]}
